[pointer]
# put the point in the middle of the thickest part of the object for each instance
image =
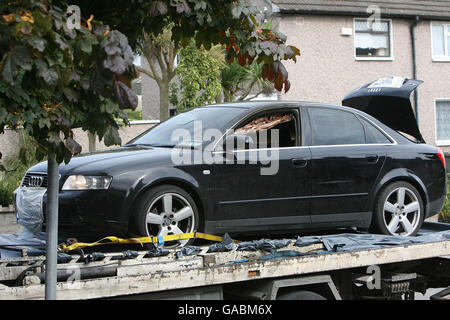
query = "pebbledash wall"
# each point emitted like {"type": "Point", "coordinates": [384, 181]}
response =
{"type": "Point", "coordinates": [10, 140]}
{"type": "Point", "coordinates": [327, 69]}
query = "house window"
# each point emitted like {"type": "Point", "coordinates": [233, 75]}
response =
{"type": "Point", "coordinates": [137, 60]}
{"type": "Point", "coordinates": [373, 39]}
{"type": "Point", "coordinates": [440, 35]}
{"type": "Point", "coordinates": [443, 122]}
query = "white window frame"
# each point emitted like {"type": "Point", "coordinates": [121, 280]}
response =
{"type": "Point", "coordinates": [440, 143]}
{"type": "Point", "coordinates": [391, 43]}
{"type": "Point", "coordinates": [446, 56]}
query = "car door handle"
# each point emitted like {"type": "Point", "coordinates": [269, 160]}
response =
{"type": "Point", "coordinates": [372, 158]}
{"type": "Point", "coordinates": [299, 163]}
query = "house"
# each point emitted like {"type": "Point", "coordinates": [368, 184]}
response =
{"type": "Point", "coordinates": [345, 44]}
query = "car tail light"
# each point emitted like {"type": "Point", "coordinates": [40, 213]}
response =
{"type": "Point", "coordinates": [441, 156]}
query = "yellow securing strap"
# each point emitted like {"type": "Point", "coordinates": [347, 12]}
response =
{"type": "Point", "coordinates": [141, 240]}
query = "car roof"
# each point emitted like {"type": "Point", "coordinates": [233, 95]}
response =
{"type": "Point", "coordinates": [263, 104]}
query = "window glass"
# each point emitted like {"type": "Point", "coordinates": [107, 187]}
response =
{"type": "Point", "coordinates": [193, 123]}
{"type": "Point", "coordinates": [448, 46]}
{"type": "Point", "coordinates": [275, 130]}
{"type": "Point", "coordinates": [440, 34]}
{"type": "Point", "coordinates": [373, 134]}
{"type": "Point", "coordinates": [372, 38]}
{"type": "Point", "coordinates": [443, 120]}
{"type": "Point", "coordinates": [438, 40]}
{"type": "Point", "coordinates": [334, 127]}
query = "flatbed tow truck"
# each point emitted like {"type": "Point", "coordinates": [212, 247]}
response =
{"type": "Point", "coordinates": [317, 268]}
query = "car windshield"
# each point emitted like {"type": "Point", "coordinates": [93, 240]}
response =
{"type": "Point", "coordinates": [189, 129]}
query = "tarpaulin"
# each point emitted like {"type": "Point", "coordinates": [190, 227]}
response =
{"type": "Point", "coordinates": [30, 208]}
{"type": "Point", "coordinates": [263, 244]}
{"type": "Point", "coordinates": [187, 251]}
{"type": "Point", "coordinates": [227, 244]}
{"type": "Point", "coordinates": [11, 245]}
{"type": "Point", "coordinates": [352, 242]}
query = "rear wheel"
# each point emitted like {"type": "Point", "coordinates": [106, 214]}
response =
{"type": "Point", "coordinates": [399, 210]}
{"type": "Point", "coordinates": [166, 210]}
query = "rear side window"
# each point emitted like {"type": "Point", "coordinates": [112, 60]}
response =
{"type": "Point", "coordinates": [373, 134]}
{"type": "Point", "coordinates": [334, 127]}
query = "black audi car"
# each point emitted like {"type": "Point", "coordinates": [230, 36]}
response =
{"type": "Point", "coordinates": [260, 167]}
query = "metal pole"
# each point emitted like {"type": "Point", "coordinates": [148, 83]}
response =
{"type": "Point", "coordinates": [52, 230]}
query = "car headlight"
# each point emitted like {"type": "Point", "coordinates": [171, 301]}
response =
{"type": "Point", "coordinates": [80, 182]}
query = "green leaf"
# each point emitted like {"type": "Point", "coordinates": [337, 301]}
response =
{"type": "Point", "coordinates": [62, 45]}
{"type": "Point", "coordinates": [110, 107]}
{"type": "Point", "coordinates": [3, 114]}
{"type": "Point", "coordinates": [9, 70]}
{"type": "Point", "coordinates": [43, 23]}
{"type": "Point", "coordinates": [126, 97]}
{"type": "Point", "coordinates": [49, 75]}
{"type": "Point", "coordinates": [37, 43]}
{"type": "Point", "coordinates": [86, 44]}
{"type": "Point", "coordinates": [70, 94]}
{"type": "Point", "coordinates": [22, 58]}
{"type": "Point", "coordinates": [18, 58]}
{"type": "Point", "coordinates": [44, 122]}
{"type": "Point", "coordinates": [54, 138]}
{"type": "Point", "coordinates": [73, 146]}
{"type": "Point", "coordinates": [112, 136]}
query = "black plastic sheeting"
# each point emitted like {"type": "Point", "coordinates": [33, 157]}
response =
{"type": "Point", "coordinates": [226, 244]}
{"type": "Point", "coordinates": [353, 242]}
{"type": "Point", "coordinates": [187, 251]}
{"type": "Point", "coordinates": [268, 245]}
{"type": "Point", "coordinates": [263, 244]}
{"type": "Point", "coordinates": [11, 245]}
{"type": "Point", "coordinates": [157, 251]}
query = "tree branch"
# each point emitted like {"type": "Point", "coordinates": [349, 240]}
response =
{"type": "Point", "coordinates": [256, 95]}
{"type": "Point", "coordinates": [248, 91]}
{"type": "Point", "coordinates": [148, 73]}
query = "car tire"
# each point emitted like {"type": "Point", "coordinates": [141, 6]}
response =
{"type": "Point", "coordinates": [301, 295]}
{"type": "Point", "coordinates": [399, 210]}
{"type": "Point", "coordinates": [165, 210]}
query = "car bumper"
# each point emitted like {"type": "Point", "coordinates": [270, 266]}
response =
{"type": "Point", "coordinates": [88, 215]}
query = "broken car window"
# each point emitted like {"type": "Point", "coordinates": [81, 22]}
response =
{"type": "Point", "coordinates": [262, 129]}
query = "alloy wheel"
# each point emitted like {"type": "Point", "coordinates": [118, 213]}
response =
{"type": "Point", "coordinates": [401, 212]}
{"type": "Point", "coordinates": [170, 214]}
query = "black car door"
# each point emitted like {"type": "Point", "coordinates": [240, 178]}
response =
{"type": "Point", "coordinates": [346, 161]}
{"type": "Point", "coordinates": [247, 199]}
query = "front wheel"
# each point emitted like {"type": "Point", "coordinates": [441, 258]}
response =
{"type": "Point", "coordinates": [166, 210]}
{"type": "Point", "coordinates": [399, 210]}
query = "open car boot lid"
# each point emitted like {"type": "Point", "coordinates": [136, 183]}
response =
{"type": "Point", "coordinates": [388, 100]}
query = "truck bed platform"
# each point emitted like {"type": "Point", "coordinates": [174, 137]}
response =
{"type": "Point", "coordinates": [116, 274]}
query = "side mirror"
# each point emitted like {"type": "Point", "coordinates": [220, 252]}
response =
{"type": "Point", "coordinates": [238, 142]}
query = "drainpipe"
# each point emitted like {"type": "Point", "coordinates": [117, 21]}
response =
{"type": "Point", "coordinates": [413, 45]}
